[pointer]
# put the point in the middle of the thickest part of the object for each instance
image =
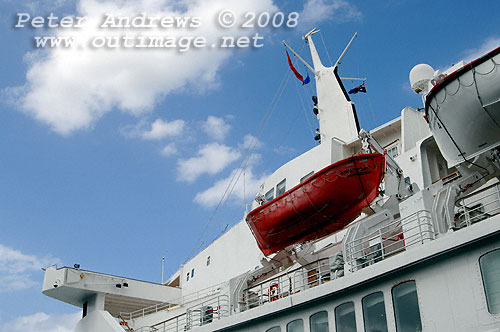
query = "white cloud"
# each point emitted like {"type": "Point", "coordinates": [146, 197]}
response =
{"type": "Point", "coordinates": [337, 11]}
{"type": "Point", "coordinates": [16, 268]}
{"type": "Point", "coordinates": [216, 127]}
{"type": "Point", "coordinates": [285, 150]}
{"type": "Point", "coordinates": [244, 185]}
{"type": "Point", "coordinates": [169, 150]}
{"type": "Point", "coordinates": [42, 322]}
{"type": "Point", "coordinates": [246, 188]}
{"type": "Point", "coordinates": [161, 129]}
{"type": "Point", "coordinates": [210, 159]}
{"type": "Point", "coordinates": [488, 45]}
{"type": "Point", "coordinates": [70, 89]}
{"type": "Point", "coordinates": [250, 142]}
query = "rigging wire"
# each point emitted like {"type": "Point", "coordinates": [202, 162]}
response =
{"type": "Point", "coordinates": [324, 45]}
{"type": "Point", "coordinates": [301, 97]}
{"type": "Point", "coordinates": [234, 179]}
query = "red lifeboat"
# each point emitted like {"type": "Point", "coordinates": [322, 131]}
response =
{"type": "Point", "coordinates": [322, 204]}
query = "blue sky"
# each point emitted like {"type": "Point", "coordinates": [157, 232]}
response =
{"type": "Point", "coordinates": [114, 159]}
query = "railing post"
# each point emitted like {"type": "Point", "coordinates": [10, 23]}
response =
{"type": "Point", "coordinates": [218, 306]}
{"type": "Point", "coordinates": [381, 244]}
{"type": "Point", "coordinates": [261, 296]}
{"type": "Point", "coordinates": [420, 228]}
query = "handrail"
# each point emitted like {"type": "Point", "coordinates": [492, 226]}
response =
{"type": "Point", "coordinates": [287, 284]}
{"type": "Point", "coordinates": [176, 302]}
{"type": "Point", "coordinates": [389, 239]}
{"type": "Point", "coordinates": [288, 272]}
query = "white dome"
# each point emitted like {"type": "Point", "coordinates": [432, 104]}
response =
{"type": "Point", "coordinates": [420, 75]}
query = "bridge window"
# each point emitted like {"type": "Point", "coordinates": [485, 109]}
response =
{"type": "Point", "coordinates": [192, 273]}
{"type": "Point", "coordinates": [490, 271]}
{"type": "Point", "coordinates": [274, 329]}
{"type": "Point", "coordinates": [319, 322]}
{"type": "Point", "coordinates": [406, 310]}
{"type": "Point", "coordinates": [374, 313]}
{"type": "Point", "coordinates": [345, 319]}
{"type": "Point", "coordinates": [270, 195]}
{"type": "Point", "coordinates": [295, 326]}
{"type": "Point", "coordinates": [208, 260]}
{"type": "Point", "coordinates": [305, 177]}
{"type": "Point", "coordinates": [281, 188]}
{"type": "Point", "coordinates": [187, 277]}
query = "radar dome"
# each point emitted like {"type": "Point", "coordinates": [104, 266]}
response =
{"type": "Point", "coordinates": [420, 76]}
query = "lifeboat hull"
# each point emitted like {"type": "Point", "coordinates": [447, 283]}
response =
{"type": "Point", "coordinates": [463, 110]}
{"type": "Point", "coordinates": [322, 204]}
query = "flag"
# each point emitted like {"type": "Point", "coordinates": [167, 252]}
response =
{"type": "Point", "coordinates": [297, 74]}
{"type": "Point", "coordinates": [306, 80]}
{"type": "Point", "coordinates": [361, 88]}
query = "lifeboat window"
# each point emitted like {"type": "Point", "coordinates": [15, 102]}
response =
{"type": "Point", "coordinates": [270, 195]}
{"type": "Point", "coordinates": [490, 272]}
{"type": "Point", "coordinates": [281, 188]}
{"type": "Point", "coordinates": [406, 310]}
{"type": "Point", "coordinates": [374, 313]}
{"type": "Point", "coordinates": [307, 176]}
{"type": "Point", "coordinates": [319, 322]}
{"type": "Point", "coordinates": [345, 319]}
{"type": "Point", "coordinates": [274, 329]}
{"type": "Point", "coordinates": [295, 326]}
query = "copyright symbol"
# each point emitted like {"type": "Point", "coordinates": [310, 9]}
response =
{"type": "Point", "coordinates": [226, 18]}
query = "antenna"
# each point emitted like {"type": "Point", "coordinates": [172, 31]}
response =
{"type": "Point", "coordinates": [162, 268]}
{"type": "Point", "coordinates": [300, 58]}
{"type": "Point", "coordinates": [345, 50]}
{"type": "Point", "coordinates": [310, 33]}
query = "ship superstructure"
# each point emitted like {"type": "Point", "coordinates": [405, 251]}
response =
{"type": "Point", "coordinates": [424, 254]}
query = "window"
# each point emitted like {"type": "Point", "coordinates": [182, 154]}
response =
{"type": "Point", "coordinates": [307, 176]}
{"type": "Point", "coordinates": [187, 277]}
{"type": "Point", "coordinates": [295, 326]}
{"type": "Point", "coordinates": [281, 188]}
{"type": "Point", "coordinates": [208, 260]}
{"type": "Point", "coordinates": [270, 195]}
{"type": "Point", "coordinates": [393, 151]}
{"type": "Point", "coordinates": [406, 310]}
{"type": "Point", "coordinates": [274, 329]}
{"type": "Point", "coordinates": [345, 319]}
{"type": "Point", "coordinates": [192, 273]}
{"type": "Point", "coordinates": [490, 271]}
{"type": "Point", "coordinates": [374, 312]}
{"type": "Point", "coordinates": [319, 322]}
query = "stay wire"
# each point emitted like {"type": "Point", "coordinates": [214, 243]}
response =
{"type": "Point", "coordinates": [234, 179]}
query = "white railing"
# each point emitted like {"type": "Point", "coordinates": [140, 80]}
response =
{"type": "Point", "coordinates": [210, 291]}
{"type": "Point", "coordinates": [199, 315]}
{"type": "Point", "coordinates": [287, 284]}
{"type": "Point", "coordinates": [478, 206]}
{"type": "Point", "coordinates": [390, 239]}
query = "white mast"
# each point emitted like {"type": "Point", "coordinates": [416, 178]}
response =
{"type": "Point", "coordinates": [337, 115]}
